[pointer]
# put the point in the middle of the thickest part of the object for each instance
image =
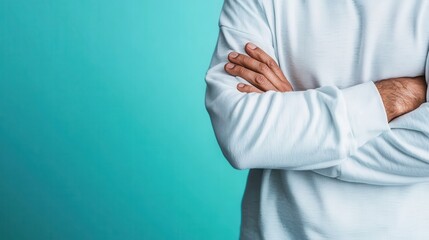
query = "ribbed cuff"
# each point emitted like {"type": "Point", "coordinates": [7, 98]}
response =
{"type": "Point", "coordinates": [366, 112]}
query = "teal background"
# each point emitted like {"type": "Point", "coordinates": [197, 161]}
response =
{"type": "Point", "coordinates": [103, 130]}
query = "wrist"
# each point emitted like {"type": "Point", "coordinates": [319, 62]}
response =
{"type": "Point", "coordinates": [401, 95]}
{"type": "Point", "coordinates": [389, 93]}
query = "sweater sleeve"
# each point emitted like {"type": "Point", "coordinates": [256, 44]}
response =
{"type": "Point", "coordinates": [301, 130]}
{"type": "Point", "coordinates": [399, 156]}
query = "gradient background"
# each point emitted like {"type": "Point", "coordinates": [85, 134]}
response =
{"type": "Point", "coordinates": [103, 130]}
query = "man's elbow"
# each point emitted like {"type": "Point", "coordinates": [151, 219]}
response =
{"type": "Point", "coordinates": [234, 156]}
{"type": "Point", "coordinates": [224, 131]}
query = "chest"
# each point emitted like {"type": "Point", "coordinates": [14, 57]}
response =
{"type": "Point", "coordinates": [344, 43]}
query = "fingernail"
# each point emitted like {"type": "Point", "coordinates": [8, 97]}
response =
{"type": "Point", "coordinates": [240, 85]}
{"type": "Point", "coordinates": [233, 54]}
{"type": "Point", "coordinates": [251, 46]}
{"type": "Point", "coordinates": [230, 65]}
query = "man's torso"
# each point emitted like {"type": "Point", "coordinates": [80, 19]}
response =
{"type": "Point", "coordinates": [340, 43]}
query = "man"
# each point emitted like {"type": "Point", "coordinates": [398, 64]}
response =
{"type": "Point", "coordinates": [294, 93]}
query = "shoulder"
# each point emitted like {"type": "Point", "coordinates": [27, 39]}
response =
{"type": "Point", "coordinates": [243, 9]}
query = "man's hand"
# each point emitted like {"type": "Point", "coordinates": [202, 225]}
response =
{"type": "Point", "coordinates": [399, 95]}
{"type": "Point", "coordinates": [259, 69]}
{"type": "Point", "coordinates": [402, 95]}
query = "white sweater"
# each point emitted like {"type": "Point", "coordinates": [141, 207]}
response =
{"type": "Point", "coordinates": [324, 163]}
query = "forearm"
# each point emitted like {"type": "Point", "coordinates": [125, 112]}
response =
{"type": "Point", "coordinates": [401, 95]}
{"type": "Point", "coordinates": [399, 156]}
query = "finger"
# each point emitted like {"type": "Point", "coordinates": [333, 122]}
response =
{"type": "Point", "coordinates": [258, 54]}
{"type": "Point", "coordinates": [254, 78]}
{"type": "Point", "coordinates": [256, 66]}
{"type": "Point", "coordinates": [247, 88]}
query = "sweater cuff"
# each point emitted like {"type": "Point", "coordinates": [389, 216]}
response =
{"type": "Point", "coordinates": [366, 112]}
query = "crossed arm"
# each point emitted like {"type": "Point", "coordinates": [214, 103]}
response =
{"type": "Point", "coordinates": [341, 133]}
{"type": "Point", "coordinates": [399, 95]}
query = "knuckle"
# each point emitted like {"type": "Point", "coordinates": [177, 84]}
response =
{"type": "Point", "coordinates": [259, 79]}
{"type": "Point", "coordinates": [246, 60]}
{"type": "Point", "coordinates": [284, 88]}
{"type": "Point", "coordinates": [240, 71]}
{"type": "Point", "coordinates": [271, 63]}
{"type": "Point", "coordinates": [264, 67]}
